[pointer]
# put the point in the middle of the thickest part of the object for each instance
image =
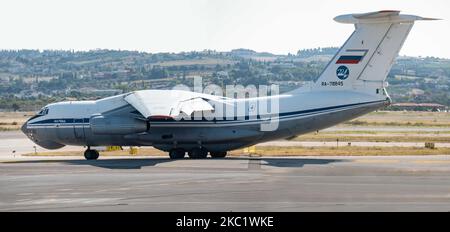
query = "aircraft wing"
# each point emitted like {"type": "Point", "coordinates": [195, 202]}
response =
{"type": "Point", "coordinates": [166, 104]}
{"type": "Point", "coordinates": [194, 105]}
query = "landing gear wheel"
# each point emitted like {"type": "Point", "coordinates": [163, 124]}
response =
{"type": "Point", "coordinates": [177, 153]}
{"type": "Point", "coordinates": [198, 153]}
{"type": "Point", "coordinates": [219, 154]}
{"type": "Point", "coordinates": [91, 154]}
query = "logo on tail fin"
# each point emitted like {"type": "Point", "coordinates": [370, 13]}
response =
{"type": "Point", "coordinates": [352, 56]}
{"type": "Point", "coordinates": [342, 72]}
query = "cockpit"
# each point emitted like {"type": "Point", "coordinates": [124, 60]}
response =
{"type": "Point", "coordinates": [42, 112]}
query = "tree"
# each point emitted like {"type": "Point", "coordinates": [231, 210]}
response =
{"type": "Point", "coordinates": [15, 107]}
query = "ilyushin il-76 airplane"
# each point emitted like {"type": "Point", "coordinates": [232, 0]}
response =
{"type": "Point", "coordinates": [180, 122]}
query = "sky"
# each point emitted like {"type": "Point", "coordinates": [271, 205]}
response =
{"type": "Point", "coordinates": [277, 26]}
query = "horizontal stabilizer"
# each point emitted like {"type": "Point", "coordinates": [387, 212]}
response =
{"type": "Point", "coordinates": [377, 14]}
{"type": "Point", "coordinates": [384, 16]}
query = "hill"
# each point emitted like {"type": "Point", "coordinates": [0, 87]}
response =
{"type": "Point", "coordinates": [31, 78]}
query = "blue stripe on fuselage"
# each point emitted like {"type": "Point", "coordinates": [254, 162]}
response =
{"type": "Point", "coordinates": [63, 121]}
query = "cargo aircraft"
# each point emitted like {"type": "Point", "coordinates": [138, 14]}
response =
{"type": "Point", "coordinates": [352, 84]}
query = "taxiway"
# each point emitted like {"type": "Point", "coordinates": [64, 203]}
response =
{"type": "Point", "coordinates": [406, 183]}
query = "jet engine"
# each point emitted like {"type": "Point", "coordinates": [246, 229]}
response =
{"type": "Point", "coordinates": [117, 125]}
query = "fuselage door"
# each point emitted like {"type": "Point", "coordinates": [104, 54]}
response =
{"type": "Point", "coordinates": [78, 130]}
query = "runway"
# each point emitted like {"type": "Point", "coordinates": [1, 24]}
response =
{"type": "Point", "coordinates": [407, 183]}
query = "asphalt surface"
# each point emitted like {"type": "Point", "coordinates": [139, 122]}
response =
{"type": "Point", "coordinates": [15, 143]}
{"type": "Point", "coordinates": [407, 183]}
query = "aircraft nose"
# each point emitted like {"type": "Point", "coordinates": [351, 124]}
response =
{"type": "Point", "coordinates": [24, 128]}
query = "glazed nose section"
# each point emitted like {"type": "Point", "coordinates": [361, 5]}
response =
{"type": "Point", "coordinates": [24, 128]}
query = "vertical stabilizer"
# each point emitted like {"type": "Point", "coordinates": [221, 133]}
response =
{"type": "Point", "coordinates": [365, 59]}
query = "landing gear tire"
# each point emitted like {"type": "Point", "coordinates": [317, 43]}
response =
{"type": "Point", "coordinates": [91, 154]}
{"type": "Point", "coordinates": [198, 153]}
{"type": "Point", "coordinates": [220, 154]}
{"type": "Point", "coordinates": [177, 153]}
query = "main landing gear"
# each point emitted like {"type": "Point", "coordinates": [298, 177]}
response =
{"type": "Point", "coordinates": [220, 154]}
{"type": "Point", "coordinates": [198, 153]}
{"type": "Point", "coordinates": [195, 153]}
{"type": "Point", "coordinates": [177, 153]}
{"type": "Point", "coordinates": [91, 154]}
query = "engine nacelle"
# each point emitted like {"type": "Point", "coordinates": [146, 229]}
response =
{"type": "Point", "coordinates": [117, 125]}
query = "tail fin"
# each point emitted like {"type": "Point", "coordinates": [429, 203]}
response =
{"type": "Point", "coordinates": [364, 61]}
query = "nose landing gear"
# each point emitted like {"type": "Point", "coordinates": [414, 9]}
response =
{"type": "Point", "coordinates": [91, 154]}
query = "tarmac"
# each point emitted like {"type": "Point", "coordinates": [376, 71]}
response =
{"type": "Point", "coordinates": [14, 143]}
{"type": "Point", "coordinates": [394, 183]}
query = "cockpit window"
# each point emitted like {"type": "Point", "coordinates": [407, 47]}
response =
{"type": "Point", "coordinates": [43, 111]}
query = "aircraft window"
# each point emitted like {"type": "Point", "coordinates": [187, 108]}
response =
{"type": "Point", "coordinates": [44, 111]}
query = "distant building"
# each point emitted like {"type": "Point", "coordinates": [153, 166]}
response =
{"type": "Point", "coordinates": [222, 74]}
{"type": "Point", "coordinates": [99, 75]}
{"type": "Point", "coordinates": [4, 80]}
{"type": "Point", "coordinates": [416, 92]}
{"type": "Point", "coordinates": [102, 92]}
{"type": "Point", "coordinates": [411, 72]}
{"type": "Point", "coordinates": [242, 52]}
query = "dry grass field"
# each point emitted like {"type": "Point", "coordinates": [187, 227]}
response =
{"type": "Point", "coordinates": [375, 136]}
{"type": "Point", "coordinates": [13, 120]}
{"type": "Point", "coordinates": [403, 118]}
{"type": "Point", "coordinates": [419, 121]}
